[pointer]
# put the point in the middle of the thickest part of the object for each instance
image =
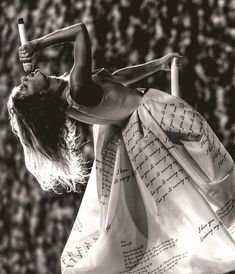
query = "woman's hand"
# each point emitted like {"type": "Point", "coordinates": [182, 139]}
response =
{"type": "Point", "coordinates": [168, 59]}
{"type": "Point", "coordinates": [27, 52]}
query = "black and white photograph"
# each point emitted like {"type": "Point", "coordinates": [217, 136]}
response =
{"type": "Point", "coordinates": [117, 137]}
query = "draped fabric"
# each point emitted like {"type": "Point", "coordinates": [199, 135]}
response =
{"type": "Point", "coordinates": [160, 198]}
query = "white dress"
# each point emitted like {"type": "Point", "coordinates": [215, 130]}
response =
{"type": "Point", "coordinates": [160, 198]}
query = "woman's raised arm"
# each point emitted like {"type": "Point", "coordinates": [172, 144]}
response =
{"type": "Point", "coordinates": [133, 74]}
{"type": "Point", "coordinates": [61, 36]}
{"type": "Point", "coordinates": [80, 75]}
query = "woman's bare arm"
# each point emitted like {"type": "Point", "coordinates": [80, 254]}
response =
{"type": "Point", "coordinates": [61, 36]}
{"type": "Point", "coordinates": [80, 76]}
{"type": "Point", "coordinates": [133, 74]}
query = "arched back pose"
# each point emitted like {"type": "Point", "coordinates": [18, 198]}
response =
{"type": "Point", "coordinates": [160, 198]}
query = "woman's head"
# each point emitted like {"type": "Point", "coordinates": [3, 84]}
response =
{"type": "Point", "coordinates": [51, 141]}
{"type": "Point", "coordinates": [38, 82]}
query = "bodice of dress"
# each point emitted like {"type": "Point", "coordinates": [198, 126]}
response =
{"type": "Point", "coordinates": [117, 104]}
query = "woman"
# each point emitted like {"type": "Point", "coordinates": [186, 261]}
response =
{"type": "Point", "coordinates": [165, 184]}
{"type": "Point", "coordinates": [41, 102]}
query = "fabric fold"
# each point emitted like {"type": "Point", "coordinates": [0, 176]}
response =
{"type": "Point", "coordinates": [165, 197]}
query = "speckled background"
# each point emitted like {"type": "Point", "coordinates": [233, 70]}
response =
{"type": "Point", "coordinates": [34, 225]}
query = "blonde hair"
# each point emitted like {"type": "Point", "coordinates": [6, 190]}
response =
{"type": "Point", "coordinates": [51, 141]}
{"type": "Point", "coordinates": [54, 174]}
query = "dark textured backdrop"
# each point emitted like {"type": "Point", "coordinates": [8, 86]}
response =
{"type": "Point", "coordinates": [34, 225]}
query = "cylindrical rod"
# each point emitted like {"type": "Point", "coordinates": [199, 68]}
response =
{"type": "Point", "coordinates": [23, 39]}
{"type": "Point", "coordinates": [174, 78]}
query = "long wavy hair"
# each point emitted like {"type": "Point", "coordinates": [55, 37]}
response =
{"type": "Point", "coordinates": [51, 141]}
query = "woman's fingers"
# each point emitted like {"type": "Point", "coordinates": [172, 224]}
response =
{"type": "Point", "coordinates": [23, 51]}
{"type": "Point", "coordinates": [23, 55]}
{"type": "Point", "coordinates": [25, 59]}
{"type": "Point", "coordinates": [169, 58]}
{"type": "Point", "coordinates": [176, 55]}
{"type": "Point", "coordinates": [26, 49]}
{"type": "Point", "coordinates": [27, 53]}
{"type": "Point", "coordinates": [179, 61]}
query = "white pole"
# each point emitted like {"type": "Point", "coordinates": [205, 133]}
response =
{"type": "Point", "coordinates": [28, 67]}
{"type": "Point", "coordinates": [174, 78]}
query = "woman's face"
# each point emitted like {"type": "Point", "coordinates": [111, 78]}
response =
{"type": "Point", "coordinates": [38, 81]}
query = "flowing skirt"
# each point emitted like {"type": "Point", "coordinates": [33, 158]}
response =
{"type": "Point", "coordinates": [160, 198]}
